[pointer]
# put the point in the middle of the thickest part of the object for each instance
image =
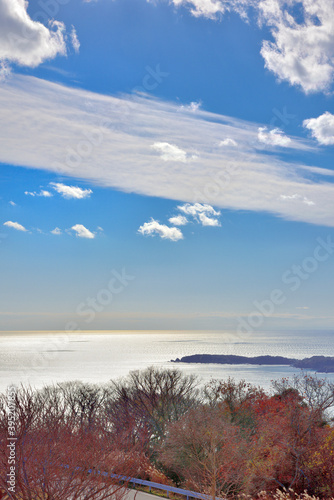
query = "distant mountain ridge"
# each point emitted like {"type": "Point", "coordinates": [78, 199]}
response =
{"type": "Point", "coordinates": [324, 364]}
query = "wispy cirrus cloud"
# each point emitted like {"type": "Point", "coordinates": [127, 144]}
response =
{"type": "Point", "coordinates": [74, 40]}
{"type": "Point", "coordinates": [122, 158]}
{"type": "Point", "coordinates": [5, 70]}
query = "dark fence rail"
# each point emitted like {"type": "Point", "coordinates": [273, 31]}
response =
{"type": "Point", "coordinates": [168, 489]}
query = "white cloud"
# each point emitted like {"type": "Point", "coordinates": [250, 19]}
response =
{"type": "Point", "coordinates": [322, 128]}
{"type": "Point", "coordinates": [75, 40]}
{"type": "Point", "coordinates": [197, 208]}
{"type": "Point", "coordinates": [56, 231]}
{"type": "Point", "coordinates": [83, 232]}
{"type": "Point", "coordinates": [228, 142]}
{"type": "Point", "coordinates": [274, 137]}
{"type": "Point", "coordinates": [178, 220]}
{"type": "Point", "coordinates": [297, 197]}
{"type": "Point", "coordinates": [5, 71]}
{"type": "Point", "coordinates": [71, 191]}
{"type": "Point", "coordinates": [154, 227]}
{"type": "Point", "coordinates": [200, 213]}
{"type": "Point", "coordinates": [211, 9]}
{"type": "Point", "coordinates": [12, 203]}
{"type": "Point", "coordinates": [208, 221]}
{"type": "Point", "coordinates": [15, 225]}
{"type": "Point", "coordinates": [170, 152]}
{"type": "Point", "coordinates": [303, 49]}
{"type": "Point", "coordinates": [193, 107]}
{"type": "Point", "coordinates": [27, 42]}
{"type": "Point", "coordinates": [43, 193]}
{"type": "Point", "coordinates": [49, 132]}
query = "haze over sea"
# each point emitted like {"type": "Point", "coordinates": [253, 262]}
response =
{"type": "Point", "coordinates": [40, 358]}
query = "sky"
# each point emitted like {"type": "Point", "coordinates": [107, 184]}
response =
{"type": "Point", "coordinates": [167, 165]}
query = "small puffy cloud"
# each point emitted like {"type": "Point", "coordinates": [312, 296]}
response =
{"type": "Point", "coordinates": [178, 220]}
{"type": "Point", "coordinates": [170, 152]}
{"type": "Point", "coordinates": [228, 142]}
{"type": "Point", "coordinates": [27, 42]}
{"type": "Point", "coordinates": [71, 191]}
{"type": "Point", "coordinates": [206, 8]}
{"type": "Point", "coordinates": [203, 213]}
{"type": "Point", "coordinates": [208, 221]}
{"type": "Point", "coordinates": [74, 40]}
{"type": "Point", "coordinates": [43, 193]}
{"type": "Point", "coordinates": [193, 106]}
{"type": "Point", "coordinates": [197, 208]}
{"type": "Point", "coordinates": [322, 128]}
{"type": "Point", "coordinates": [274, 137]}
{"type": "Point", "coordinates": [56, 231]}
{"type": "Point", "coordinates": [154, 227]}
{"type": "Point", "coordinates": [12, 203]}
{"type": "Point", "coordinates": [15, 225]}
{"type": "Point", "coordinates": [297, 197]}
{"type": "Point", "coordinates": [83, 232]}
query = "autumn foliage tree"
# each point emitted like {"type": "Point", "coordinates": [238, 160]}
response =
{"type": "Point", "coordinates": [207, 450]}
{"type": "Point", "coordinates": [58, 454]}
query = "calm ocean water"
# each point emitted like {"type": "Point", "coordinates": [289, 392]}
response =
{"type": "Point", "coordinates": [44, 358]}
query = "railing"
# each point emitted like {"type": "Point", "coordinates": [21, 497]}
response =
{"type": "Point", "coordinates": [142, 482]}
{"type": "Point", "coordinates": [168, 489]}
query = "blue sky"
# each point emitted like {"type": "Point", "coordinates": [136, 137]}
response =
{"type": "Point", "coordinates": [166, 165]}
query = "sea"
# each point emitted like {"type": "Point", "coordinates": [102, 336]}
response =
{"type": "Point", "coordinates": [43, 358]}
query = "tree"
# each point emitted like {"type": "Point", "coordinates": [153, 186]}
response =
{"type": "Point", "coordinates": [55, 459]}
{"type": "Point", "coordinates": [238, 397]}
{"type": "Point", "coordinates": [286, 431]}
{"type": "Point", "coordinates": [317, 393]}
{"type": "Point", "coordinates": [207, 450]}
{"type": "Point", "coordinates": [146, 401]}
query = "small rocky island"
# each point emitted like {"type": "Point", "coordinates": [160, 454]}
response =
{"type": "Point", "coordinates": [323, 364]}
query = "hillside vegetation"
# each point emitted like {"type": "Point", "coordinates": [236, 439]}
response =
{"type": "Point", "coordinates": [227, 439]}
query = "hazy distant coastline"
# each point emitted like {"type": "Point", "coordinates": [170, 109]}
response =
{"type": "Point", "coordinates": [323, 364]}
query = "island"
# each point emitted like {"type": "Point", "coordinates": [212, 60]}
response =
{"type": "Point", "coordinates": [323, 364]}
